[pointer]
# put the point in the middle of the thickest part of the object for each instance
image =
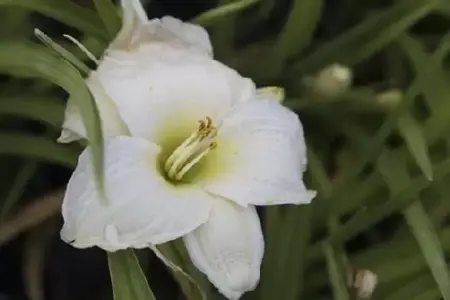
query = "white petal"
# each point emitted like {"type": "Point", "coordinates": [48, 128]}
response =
{"type": "Point", "coordinates": [157, 91]}
{"type": "Point", "coordinates": [192, 34]}
{"type": "Point", "coordinates": [260, 156]}
{"type": "Point", "coordinates": [134, 18]}
{"type": "Point", "coordinates": [138, 31]}
{"type": "Point", "coordinates": [112, 124]}
{"type": "Point", "coordinates": [228, 248]}
{"type": "Point", "coordinates": [133, 9]}
{"type": "Point", "coordinates": [142, 207]}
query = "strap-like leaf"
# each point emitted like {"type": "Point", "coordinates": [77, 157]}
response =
{"type": "Point", "coordinates": [393, 170]}
{"type": "Point", "coordinates": [108, 14]}
{"type": "Point", "coordinates": [19, 144]}
{"type": "Point", "coordinates": [211, 16]}
{"type": "Point", "coordinates": [367, 38]}
{"type": "Point", "coordinates": [413, 135]}
{"type": "Point", "coordinates": [64, 11]}
{"type": "Point", "coordinates": [46, 110]}
{"type": "Point", "coordinates": [128, 280]}
{"type": "Point", "coordinates": [298, 30]}
{"type": "Point", "coordinates": [35, 61]}
{"type": "Point", "coordinates": [337, 279]}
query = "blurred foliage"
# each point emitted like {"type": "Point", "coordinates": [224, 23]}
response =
{"type": "Point", "coordinates": [379, 152]}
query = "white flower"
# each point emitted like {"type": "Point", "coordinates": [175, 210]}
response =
{"type": "Point", "coordinates": [191, 147]}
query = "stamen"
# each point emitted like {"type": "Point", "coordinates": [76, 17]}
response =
{"type": "Point", "coordinates": [179, 150]}
{"type": "Point", "coordinates": [190, 164]}
{"type": "Point", "coordinates": [182, 159]}
{"type": "Point", "coordinates": [82, 48]}
{"type": "Point", "coordinates": [192, 150]}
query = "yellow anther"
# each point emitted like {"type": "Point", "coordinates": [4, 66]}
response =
{"type": "Point", "coordinates": [208, 122]}
{"type": "Point", "coordinates": [201, 126]}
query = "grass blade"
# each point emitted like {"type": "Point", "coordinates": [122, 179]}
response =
{"type": "Point", "coordinates": [367, 218]}
{"type": "Point", "coordinates": [211, 16]}
{"type": "Point", "coordinates": [47, 110]}
{"type": "Point", "coordinates": [64, 11]}
{"type": "Point", "coordinates": [128, 279]}
{"type": "Point", "coordinates": [25, 173]}
{"type": "Point", "coordinates": [108, 14]}
{"type": "Point", "coordinates": [222, 36]}
{"type": "Point", "coordinates": [33, 61]}
{"type": "Point", "coordinates": [416, 217]}
{"type": "Point", "coordinates": [36, 147]}
{"type": "Point", "coordinates": [273, 222]}
{"type": "Point", "coordinates": [296, 237]}
{"type": "Point", "coordinates": [62, 52]}
{"type": "Point", "coordinates": [430, 245]}
{"type": "Point", "coordinates": [367, 38]}
{"type": "Point", "coordinates": [338, 281]}
{"type": "Point", "coordinates": [265, 8]}
{"type": "Point", "coordinates": [375, 145]}
{"type": "Point", "coordinates": [435, 90]}
{"type": "Point", "coordinates": [417, 286]}
{"type": "Point", "coordinates": [298, 31]}
{"type": "Point", "coordinates": [413, 135]}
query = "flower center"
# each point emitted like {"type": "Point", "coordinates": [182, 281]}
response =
{"type": "Point", "coordinates": [192, 150]}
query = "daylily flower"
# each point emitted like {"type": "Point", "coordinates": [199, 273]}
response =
{"type": "Point", "coordinates": [191, 147]}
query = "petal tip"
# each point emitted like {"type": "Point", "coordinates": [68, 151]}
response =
{"type": "Point", "coordinates": [311, 194]}
{"type": "Point", "coordinates": [67, 235]}
{"type": "Point", "coordinates": [192, 34]}
{"type": "Point", "coordinates": [67, 136]}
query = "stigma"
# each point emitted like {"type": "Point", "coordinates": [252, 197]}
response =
{"type": "Point", "coordinates": [192, 150]}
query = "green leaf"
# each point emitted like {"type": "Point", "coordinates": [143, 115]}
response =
{"type": "Point", "coordinates": [432, 293]}
{"type": "Point", "coordinates": [128, 279]}
{"type": "Point", "coordinates": [273, 224]}
{"type": "Point", "coordinates": [34, 61]}
{"type": "Point", "coordinates": [291, 252]}
{"type": "Point", "coordinates": [36, 147]}
{"type": "Point", "coordinates": [25, 173]}
{"type": "Point", "coordinates": [46, 110]}
{"type": "Point", "coordinates": [211, 16]}
{"type": "Point", "coordinates": [368, 37]}
{"type": "Point", "coordinates": [14, 23]}
{"type": "Point", "coordinates": [174, 255]}
{"type": "Point", "coordinates": [108, 14]}
{"type": "Point", "coordinates": [396, 177]}
{"type": "Point", "coordinates": [285, 254]}
{"type": "Point", "coordinates": [323, 185]}
{"type": "Point", "coordinates": [413, 135]}
{"type": "Point", "coordinates": [64, 11]}
{"type": "Point", "coordinates": [412, 289]}
{"type": "Point", "coordinates": [62, 52]}
{"type": "Point", "coordinates": [394, 260]}
{"type": "Point", "coordinates": [430, 245]}
{"type": "Point", "coordinates": [445, 9]}
{"type": "Point", "coordinates": [222, 35]}
{"type": "Point", "coordinates": [298, 31]}
{"type": "Point", "coordinates": [366, 218]}
{"type": "Point", "coordinates": [375, 145]}
{"type": "Point", "coordinates": [436, 88]}
{"type": "Point", "coordinates": [265, 8]}
{"type": "Point", "coordinates": [338, 282]}
{"type": "Point", "coordinates": [420, 59]}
